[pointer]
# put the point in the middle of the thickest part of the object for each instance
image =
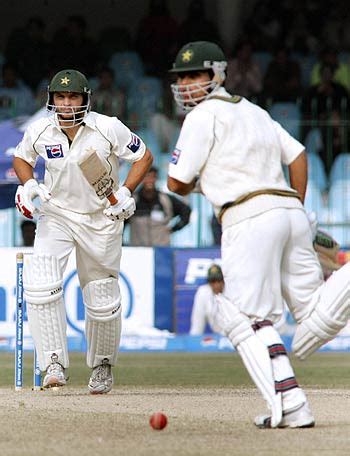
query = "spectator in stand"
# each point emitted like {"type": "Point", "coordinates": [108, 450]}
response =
{"type": "Point", "coordinates": [216, 230]}
{"type": "Point", "coordinates": [196, 26]}
{"type": "Point", "coordinates": [341, 70]}
{"type": "Point", "coordinates": [73, 48]}
{"type": "Point", "coordinates": [327, 102]}
{"type": "Point", "coordinates": [203, 304]}
{"type": "Point", "coordinates": [41, 89]}
{"type": "Point", "coordinates": [300, 38]}
{"type": "Point", "coordinates": [28, 49]}
{"type": "Point", "coordinates": [113, 39]}
{"type": "Point", "coordinates": [107, 98]}
{"type": "Point", "coordinates": [16, 99]}
{"type": "Point", "coordinates": [243, 73]}
{"type": "Point", "coordinates": [28, 228]}
{"type": "Point", "coordinates": [157, 37]}
{"type": "Point", "coordinates": [282, 80]}
{"type": "Point", "coordinates": [265, 25]}
{"type": "Point", "coordinates": [156, 213]}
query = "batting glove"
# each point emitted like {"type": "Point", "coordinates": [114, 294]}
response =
{"type": "Point", "coordinates": [25, 195]}
{"type": "Point", "coordinates": [125, 207]}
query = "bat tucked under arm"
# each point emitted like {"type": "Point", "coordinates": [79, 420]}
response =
{"type": "Point", "coordinates": [97, 175]}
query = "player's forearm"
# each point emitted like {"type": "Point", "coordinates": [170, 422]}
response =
{"type": "Point", "coordinates": [22, 169]}
{"type": "Point", "coordinates": [298, 174]}
{"type": "Point", "coordinates": [138, 171]}
{"type": "Point", "coordinates": [181, 188]}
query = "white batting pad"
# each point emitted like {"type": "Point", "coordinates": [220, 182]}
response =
{"type": "Point", "coordinates": [102, 320]}
{"type": "Point", "coordinates": [282, 369]}
{"type": "Point", "coordinates": [43, 292]}
{"type": "Point", "coordinates": [330, 314]}
{"type": "Point", "coordinates": [253, 352]}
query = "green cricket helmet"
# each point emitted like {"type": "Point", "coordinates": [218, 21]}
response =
{"type": "Point", "coordinates": [69, 81]}
{"type": "Point", "coordinates": [215, 273]}
{"type": "Point", "coordinates": [193, 57]}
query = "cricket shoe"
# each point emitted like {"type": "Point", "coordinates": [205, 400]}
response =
{"type": "Point", "coordinates": [300, 417]}
{"type": "Point", "coordinates": [55, 374]}
{"type": "Point", "coordinates": [101, 380]}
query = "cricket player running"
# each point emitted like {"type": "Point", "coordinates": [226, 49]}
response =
{"type": "Point", "coordinates": [237, 151]}
{"type": "Point", "coordinates": [76, 213]}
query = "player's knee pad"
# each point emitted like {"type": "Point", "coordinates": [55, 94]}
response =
{"type": "Point", "coordinates": [230, 321]}
{"type": "Point", "coordinates": [43, 292]}
{"type": "Point", "coordinates": [330, 314]}
{"type": "Point", "coordinates": [253, 352]}
{"type": "Point", "coordinates": [103, 320]}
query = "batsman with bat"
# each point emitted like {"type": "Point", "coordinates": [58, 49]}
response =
{"type": "Point", "coordinates": [268, 257]}
{"type": "Point", "coordinates": [82, 206]}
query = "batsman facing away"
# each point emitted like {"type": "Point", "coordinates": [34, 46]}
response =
{"type": "Point", "coordinates": [237, 152]}
{"type": "Point", "coordinates": [82, 206]}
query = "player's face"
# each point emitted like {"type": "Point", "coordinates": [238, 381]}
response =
{"type": "Point", "coordinates": [67, 104]}
{"type": "Point", "coordinates": [149, 181]}
{"type": "Point", "coordinates": [217, 286]}
{"type": "Point", "coordinates": [191, 88]}
{"type": "Point", "coordinates": [192, 84]}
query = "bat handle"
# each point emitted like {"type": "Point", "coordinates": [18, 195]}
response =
{"type": "Point", "coordinates": [112, 199]}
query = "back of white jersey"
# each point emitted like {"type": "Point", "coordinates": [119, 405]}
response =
{"type": "Point", "coordinates": [235, 147]}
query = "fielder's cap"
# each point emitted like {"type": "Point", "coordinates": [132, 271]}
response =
{"type": "Point", "coordinates": [215, 273]}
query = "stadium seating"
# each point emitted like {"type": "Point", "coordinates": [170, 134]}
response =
{"type": "Point", "coordinates": [263, 59]}
{"type": "Point", "coordinates": [313, 141]}
{"type": "Point", "coordinates": [306, 63]}
{"type": "Point", "coordinates": [127, 66]}
{"type": "Point", "coordinates": [198, 232]}
{"type": "Point", "coordinates": [288, 115]}
{"type": "Point", "coordinates": [314, 200]}
{"type": "Point", "coordinates": [339, 199]}
{"type": "Point", "coordinates": [340, 169]}
{"type": "Point", "coordinates": [316, 171]}
{"type": "Point", "coordinates": [145, 97]}
{"type": "Point", "coordinates": [338, 223]}
{"type": "Point", "coordinates": [2, 61]}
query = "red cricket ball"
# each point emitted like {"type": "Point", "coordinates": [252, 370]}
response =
{"type": "Point", "coordinates": [158, 421]}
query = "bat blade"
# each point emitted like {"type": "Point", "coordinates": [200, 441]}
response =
{"type": "Point", "coordinates": [97, 175]}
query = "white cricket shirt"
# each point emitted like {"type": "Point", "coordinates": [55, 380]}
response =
{"type": "Point", "coordinates": [236, 148]}
{"type": "Point", "coordinates": [66, 182]}
{"type": "Point", "coordinates": [203, 310]}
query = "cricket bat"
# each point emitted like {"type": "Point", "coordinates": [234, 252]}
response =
{"type": "Point", "coordinates": [97, 175]}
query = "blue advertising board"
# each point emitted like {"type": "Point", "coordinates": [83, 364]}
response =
{"type": "Point", "coordinates": [190, 271]}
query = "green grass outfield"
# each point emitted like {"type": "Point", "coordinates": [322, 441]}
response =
{"type": "Point", "coordinates": [321, 370]}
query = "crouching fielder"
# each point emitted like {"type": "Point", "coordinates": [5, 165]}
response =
{"type": "Point", "coordinates": [238, 151]}
{"type": "Point", "coordinates": [81, 213]}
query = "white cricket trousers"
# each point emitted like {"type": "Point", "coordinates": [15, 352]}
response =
{"type": "Point", "coordinates": [96, 238]}
{"type": "Point", "coordinates": [268, 258]}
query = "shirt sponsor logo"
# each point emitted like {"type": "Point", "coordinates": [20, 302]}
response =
{"type": "Point", "coordinates": [175, 156]}
{"type": "Point", "coordinates": [134, 144]}
{"type": "Point", "coordinates": [55, 151]}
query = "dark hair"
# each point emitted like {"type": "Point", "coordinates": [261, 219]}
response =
{"type": "Point", "coordinates": [153, 169]}
{"type": "Point", "coordinates": [25, 223]}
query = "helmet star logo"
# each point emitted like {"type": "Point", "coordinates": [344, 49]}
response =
{"type": "Point", "coordinates": [65, 81]}
{"type": "Point", "coordinates": [187, 55]}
